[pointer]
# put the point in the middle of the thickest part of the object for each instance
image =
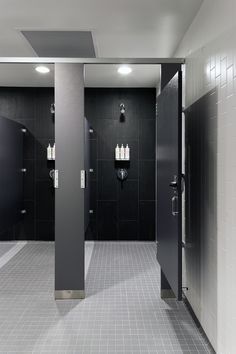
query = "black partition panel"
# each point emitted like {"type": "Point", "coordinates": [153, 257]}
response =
{"type": "Point", "coordinates": [87, 176]}
{"type": "Point", "coordinates": [70, 194]}
{"type": "Point", "coordinates": [169, 185]}
{"type": "Point", "coordinates": [11, 176]}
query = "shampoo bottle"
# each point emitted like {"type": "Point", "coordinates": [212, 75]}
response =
{"type": "Point", "coordinates": [49, 152]}
{"type": "Point", "coordinates": [117, 152]}
{"type": "Point", "coordinates": [127, 152]}
{"type": "Point", "coordinates": [122, 152]}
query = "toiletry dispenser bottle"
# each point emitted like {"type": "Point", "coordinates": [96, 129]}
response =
{"type": "Point", "coordinates": [49, 152]}
{"type": "Point", "coordinates": [122, 152]}
{"type": "Point", "coordinates": [127, 155]}
{"type": "Point", "coordinates": [117, 152]}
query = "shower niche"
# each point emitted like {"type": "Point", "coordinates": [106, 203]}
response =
{"type": "Point", "coordinates": [122, 161]}
{"type": "Point", "coordinates": [122, 197]}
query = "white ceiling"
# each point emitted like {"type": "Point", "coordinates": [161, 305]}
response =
{"type": "Point", "coordinates": [120, 28]}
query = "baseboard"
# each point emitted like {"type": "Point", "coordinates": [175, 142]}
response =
{"type": "Point", "coordinates": [69, 294]}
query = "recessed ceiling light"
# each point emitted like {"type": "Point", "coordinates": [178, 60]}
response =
{"type": "Point", "coordinates": [42, 69]}
{"type": "Point", "coordinates": [124, 70]}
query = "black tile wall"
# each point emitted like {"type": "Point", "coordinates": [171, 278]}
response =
{"type": "Point", "coordinates": [128, 200]}
{"type": "Point", "coordinates": [147, 139]}
{"type": "Point", "coordinates": [107, 220]}
{"type": "Point", "coordinates": [31, 107]}
{"type": "Point", "coordinates": [121, 211]}
{"type": "Point", "coordinates": [128, 230]}
{"type": "Point", "coordinates": [146, 180]}
{"type": "Point", "coordinates": [106, 180]}
{"type": "Point", "coordinates": [147, 220]}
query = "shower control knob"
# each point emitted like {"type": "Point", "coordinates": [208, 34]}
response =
{"type": "Point", "coordinates": [122, 174]}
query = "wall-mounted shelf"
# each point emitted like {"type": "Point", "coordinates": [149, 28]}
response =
{"type": "Point", "coordinates": [122, 159]}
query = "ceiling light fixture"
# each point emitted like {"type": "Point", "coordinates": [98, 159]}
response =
{"type": "Point", "coordinates": [42, 69]}
{"type": "Point", "coordinates": [124, 70]}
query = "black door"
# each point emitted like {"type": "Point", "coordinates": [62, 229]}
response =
{"type": "Point", "coordinates": [169, 167]}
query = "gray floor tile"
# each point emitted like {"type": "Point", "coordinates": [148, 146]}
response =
{"type": "Point", "coordinates": [122, 312]}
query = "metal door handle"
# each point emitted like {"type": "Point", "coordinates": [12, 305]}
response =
{"type": "Point", "coordinates": [174, 184]}
{"type": "Point", "coordinates": [174, 205]}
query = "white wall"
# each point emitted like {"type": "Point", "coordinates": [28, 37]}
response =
{"type": "Point", "coordinates": [210, 50]}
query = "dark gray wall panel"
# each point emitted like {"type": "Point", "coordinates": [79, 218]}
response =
{"type": "Point", "coordinates": [69, 205]}
{"type": "Point", "coordinates": [31, 107]}
{"type": "Point", "coordinates": [11, 176]}
{"type": "Point", "coordinates": [87, 175]}
{"type": "Point", "coordinates": [202, 132]}
{"type": "Point", "coordinates": [169, 164]}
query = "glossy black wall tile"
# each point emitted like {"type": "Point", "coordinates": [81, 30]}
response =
{"type": "Point", "coordinates": [107, 220]}
{"type": "Point", "coordinates": [147, 220]}
{"type": "Point", "coordinates": [44, 230]}
{"type": "Point", "coordinates": [128, 200]}
{"type": "Point", "coordinates": [147, 139]}
{"type": "Point", "coordinates": [31, 107]}
{"type": "Point", "coordinates": [107, 181]}
{"type": "Point", "coordinates": [117, 206]}
{"type": "Point", "coordinates": [128, 230]}
{"type": "Point", "coordinates": [146, 180]}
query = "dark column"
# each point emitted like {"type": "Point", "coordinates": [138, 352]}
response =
{"type": "Point", "coordinates": [69, 207]}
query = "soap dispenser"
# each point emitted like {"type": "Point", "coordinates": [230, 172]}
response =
{"type": "Point", "coordinates": [122, 152]}
{"type": "Point", "coordinates": [117, 152]}
{"type": "Point", "coordinates": [49, 152]}
{"type": "Point", "coordinates": [127, 152]}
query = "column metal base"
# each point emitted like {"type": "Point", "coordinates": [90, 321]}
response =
{"type": "Point", "coordinates": [69, 294]}
{"type": "Point", "coordinates": [167, 294]}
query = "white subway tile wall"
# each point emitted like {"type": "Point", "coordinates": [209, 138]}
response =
{"type": "Point", "coordinates": [211, 272]}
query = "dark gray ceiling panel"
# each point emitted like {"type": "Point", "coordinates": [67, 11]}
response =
{"type": "Point", "coordinates": [67, 44]}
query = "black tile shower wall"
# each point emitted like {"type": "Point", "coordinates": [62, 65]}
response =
{"type": "Point", "coordinates": [122, 211]}
{"type": "Point", "coordinates": [31, 107]}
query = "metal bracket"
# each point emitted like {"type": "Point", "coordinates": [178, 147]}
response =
{"type": "Point", "coordinates": [55, 179]}
{"type": "Point", "coordinates": [82, 179]}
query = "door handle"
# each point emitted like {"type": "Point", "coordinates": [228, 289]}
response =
{"type": "Point", "coordinates": [174, 183]}
{"type": "Point", "coordinates": [174, 205]}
